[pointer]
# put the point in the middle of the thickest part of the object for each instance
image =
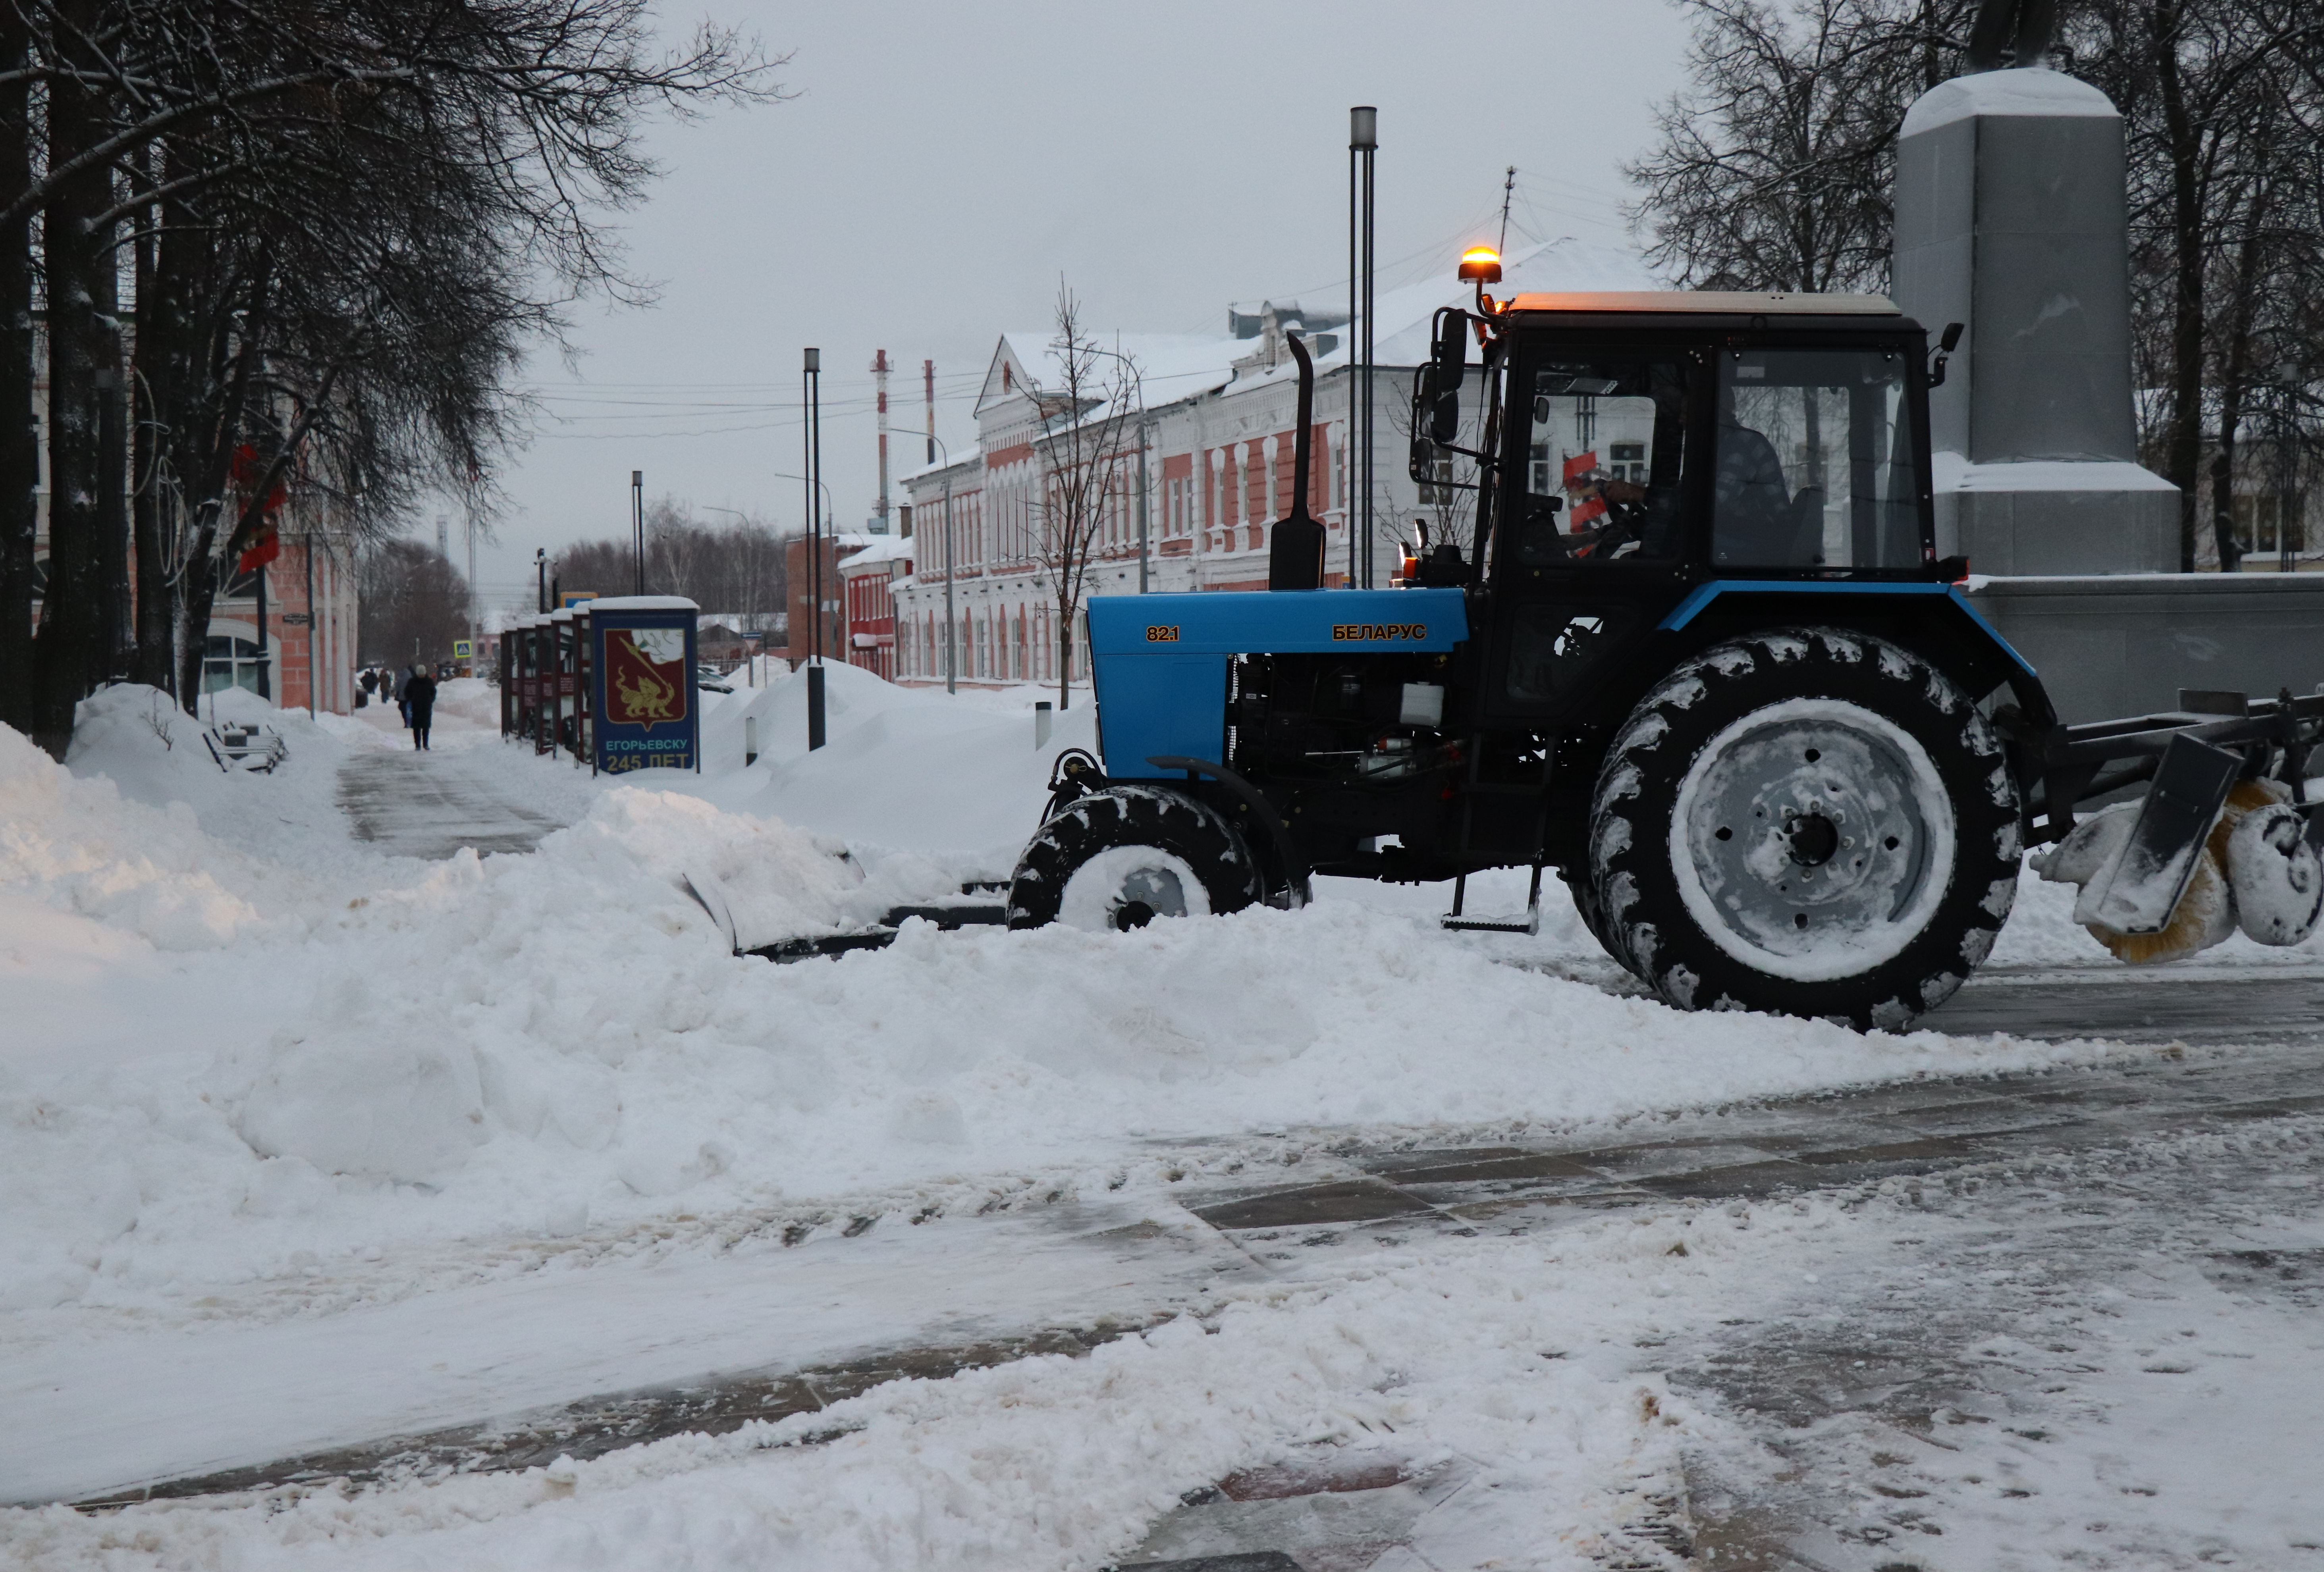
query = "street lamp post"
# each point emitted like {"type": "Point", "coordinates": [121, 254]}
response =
{"type": "Point", "coordinates": [813, 393]}
{"type": "Point", "coordinates": [638, 523]}
{"type": "Point", "coordinates": [1363, 146]}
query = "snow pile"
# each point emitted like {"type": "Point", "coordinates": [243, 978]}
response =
{"type": "Point", "coordinates": [902, 766]}
{"type": "Point", "coordinates": [531, 1043]}
{"type": "Point", "coordinates": [79, 849]}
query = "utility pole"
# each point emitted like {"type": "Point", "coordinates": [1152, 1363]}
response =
{"type": "Point", "coordinates": [1363, 146]}
{"type": "Point", "coordinates": [475, 615]}
{"type": "Point", "coordinates": [879, 383]}
{"type": "Point", "coordinates": [1508, 189]}
{"type": "Point", "coordinates": [1142, 444]}
{"type": "Point", "coordinates": [811, 394]}
{"type": "Point", "coordinates": [928, 381]}
{"type": "Point", "coordinates": [638, 526]}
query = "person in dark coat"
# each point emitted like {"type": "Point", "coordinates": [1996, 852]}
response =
{"type": "Point", "coordinates": [420, 692]}
{"type": "Point", "coordinates": [403, 682]}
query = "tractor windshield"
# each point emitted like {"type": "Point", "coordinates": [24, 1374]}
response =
{"type": "Point", "coordinates": [1814, 461]}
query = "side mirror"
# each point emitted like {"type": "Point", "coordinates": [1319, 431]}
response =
{"type": "Point", "coordinates": [1946, 343]}
{"type": "Point", "coordinates": [1445, 368]}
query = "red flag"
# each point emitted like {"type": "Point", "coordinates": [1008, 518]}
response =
{"type": "Point", "coordinates": [1579, 469]}
{"type": "Point", "coordinates": [266, 541]}
{"type": "Point", "coordinates": [265, 545]}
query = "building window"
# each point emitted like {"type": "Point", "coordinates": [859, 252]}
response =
{"type": "Point", "coordinates": [228, 662]}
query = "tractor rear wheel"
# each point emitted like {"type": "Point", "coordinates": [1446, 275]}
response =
{"type": "Point", "coordinates": [1809, 821]}
{"type": "Point", "coordinates": [1120, 857]}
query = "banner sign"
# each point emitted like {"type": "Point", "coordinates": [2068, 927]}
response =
{"type": "Point", "coordinates": [641, 688]}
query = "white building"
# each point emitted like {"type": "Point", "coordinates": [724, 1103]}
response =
{"type": "Point", "coordinates": [1218, 436]}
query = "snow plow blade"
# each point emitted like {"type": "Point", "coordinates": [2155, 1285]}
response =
{"type": "Point", "coordinates": [2139, 887]}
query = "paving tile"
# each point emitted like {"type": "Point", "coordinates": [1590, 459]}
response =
{"type": "Point", "coordinates": [1641, 1162]}
{"type": "Point", "coordinates": [1354, 1201]}
{"type": "Point", "coordinates": [1743, 1179]}
{"type": "Point", "coordinates": [1981, 1117]}
{"type": "Point", "coordinates": [1256, 1562]}
{"type": "Point", "coordinates": [1923, 1149]}
{"type": "Point", "coordinates": [1470, 1168]}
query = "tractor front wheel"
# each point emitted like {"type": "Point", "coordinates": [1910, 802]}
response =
{"type": "Point", "coordinates": [1120, 857]}
{"type": "Point", "coordinates": [1811, 821]}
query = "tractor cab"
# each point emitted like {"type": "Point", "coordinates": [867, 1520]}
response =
{"type": "Point", "coordinates": [1634, 447]}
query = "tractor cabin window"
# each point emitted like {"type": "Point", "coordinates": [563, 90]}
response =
{"type": "Point", "coordinates": [1603, 465]}
{"type": "Point", "coordinates": [1815, 461]}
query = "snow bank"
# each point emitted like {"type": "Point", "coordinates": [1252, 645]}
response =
{"type": "Point", "coordinates": [902, 766]}
{"type": "Point", "coordinates": [528, 1043]}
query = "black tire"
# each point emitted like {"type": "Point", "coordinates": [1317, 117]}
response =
{"type": "Point", "coordinates": [1187, 839]}
{"type": "Point", "coordinates": [1757, 767]}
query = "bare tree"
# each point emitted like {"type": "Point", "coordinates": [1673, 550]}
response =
{"type": "Point", "coordinates": [739, 568]}
{"type": "Point", "coordinates": [1086, 454]}
{"type": "Point", "coordinates": [2219, 99]}
{"type": "Point", "coordinates": [1776, 166]}
{"type": "Point", "coordinates": [346, 224]}
{"type": "Point", "coordinates": [414, 605]}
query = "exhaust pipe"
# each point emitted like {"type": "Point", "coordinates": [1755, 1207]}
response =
{"type": "Point", "coordinates": [1295, 555]}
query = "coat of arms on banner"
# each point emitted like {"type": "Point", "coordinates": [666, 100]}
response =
{"type": "Point", "coordinates": [645, 675]}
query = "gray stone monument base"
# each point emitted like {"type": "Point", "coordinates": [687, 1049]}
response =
{"type": "Point", "coordinates": [2056, 518]}
{"type": "Point", "coordinates": [2125, 644]}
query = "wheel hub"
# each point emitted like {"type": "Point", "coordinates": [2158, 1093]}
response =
{"type": "Point", "coordinates": [1813, 839]}
{"type": "Point", "coordinates": [1810, 831]}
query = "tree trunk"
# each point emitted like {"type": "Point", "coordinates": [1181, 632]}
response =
{"type": "Point", "coordinates": [109, 638]}
{"type": "Point", "coordinates": [2183, 449]}
{"type": "Point", "coordinates": [2222, 477]}
{"type": "Point", "coordinates": [71, 619]}
{"type": "Point", "coordinates": [20, 459]}
{"type": "Point", "coordinates": [2235, 367]}
{"type": "Point", "coordinates": [207, 428]}
{"type": "Point", "coordinates": [149, 397]}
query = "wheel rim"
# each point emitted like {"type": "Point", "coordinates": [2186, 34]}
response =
{"type": "Point", "coordinates": [1813, 839]}
{"type": "Point", "coordinates": [1128, 886]}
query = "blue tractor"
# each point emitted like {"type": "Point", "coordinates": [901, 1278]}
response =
{"type": "Point", "coordinates": [1700, 657]}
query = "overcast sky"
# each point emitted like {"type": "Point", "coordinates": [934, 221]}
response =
{"type": "Point", "coordinates": [940, 166]}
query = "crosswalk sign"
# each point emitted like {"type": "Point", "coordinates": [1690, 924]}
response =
{"type": "Point", "coordinates": [461, 648]}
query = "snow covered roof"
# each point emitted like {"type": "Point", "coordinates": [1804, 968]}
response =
{"type": "Point", "coordinates": [964, 458]}
{"type": "Point", "coordinates": [878, 549]}
{"type": "Point", "coordinates": [1170, 365]}
{"type": "Point", "coordinates": [641, 603]}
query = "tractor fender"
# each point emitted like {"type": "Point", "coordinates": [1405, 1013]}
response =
{"type": "Point", "coordinates": [1295, 865]}
{"type": "Point", "coordinates": [1940, 612]}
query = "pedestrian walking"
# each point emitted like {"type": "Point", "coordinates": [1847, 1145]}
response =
{"type": "Point", "coordinates": [403, 677]}
{"type": "Point", "coordinates": [370, 680]}
{"type": "Point", "coordinates": [419, 697]}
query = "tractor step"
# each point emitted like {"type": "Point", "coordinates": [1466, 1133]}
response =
{"type": "Point", "coordinates": [1454, 922]}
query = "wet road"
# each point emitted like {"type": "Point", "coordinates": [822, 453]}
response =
{"type": "Point", "coordinates": [1940, 1143]}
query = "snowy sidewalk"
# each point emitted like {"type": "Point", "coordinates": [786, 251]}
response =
{"type": "Point", "coordinates": [431, 804]}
